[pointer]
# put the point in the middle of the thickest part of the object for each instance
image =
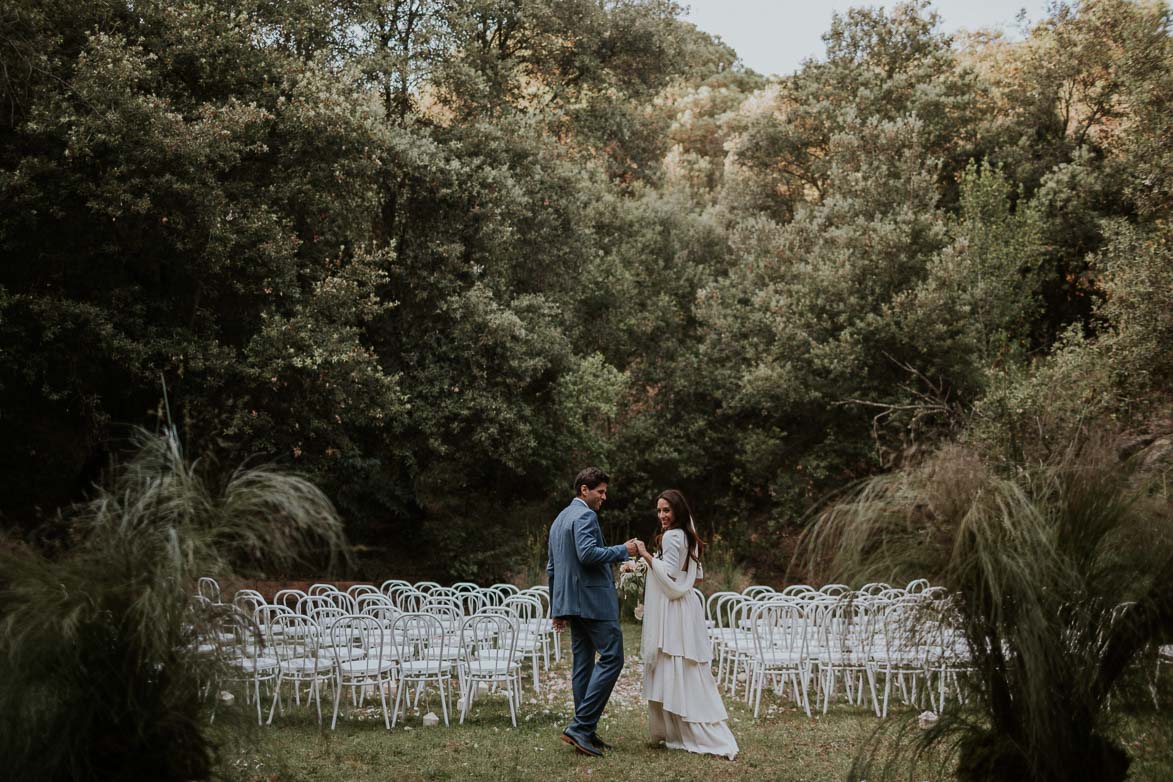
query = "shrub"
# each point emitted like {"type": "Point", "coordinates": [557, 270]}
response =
{"type": "Point", "coordinates": [100, 678]}
{"type": "Point", "coordinates": [1061, 575]}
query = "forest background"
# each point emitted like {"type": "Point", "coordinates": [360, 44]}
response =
{"type": "Point", "coordinates": [439, 255]}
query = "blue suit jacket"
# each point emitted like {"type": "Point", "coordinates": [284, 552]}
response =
{"type": "Point", "coordinates": [579, 566]}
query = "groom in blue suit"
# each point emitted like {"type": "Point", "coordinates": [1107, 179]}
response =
{"type": "Point", "coordinates": [583, 598]}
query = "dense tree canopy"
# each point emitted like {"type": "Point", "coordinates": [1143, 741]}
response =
{"type": "Point", "coordinates": [440, 255]}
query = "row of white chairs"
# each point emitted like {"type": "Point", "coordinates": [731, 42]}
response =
{"type": "Point", "coordinates": [399, 637]}
{"type": "Point", "coordinates": [800, 637]}
{"type": "Point", "coordinates": [818, 639]}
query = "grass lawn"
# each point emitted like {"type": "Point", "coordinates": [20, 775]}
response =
{"type": "Point", "coordinates": [783, 745]}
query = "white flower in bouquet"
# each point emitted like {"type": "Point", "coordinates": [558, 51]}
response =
{"type": "Point", "coordinates": [632, 574]}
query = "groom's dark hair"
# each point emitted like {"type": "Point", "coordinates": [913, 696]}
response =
{"type": "Point", "coordinates": [590, 477]}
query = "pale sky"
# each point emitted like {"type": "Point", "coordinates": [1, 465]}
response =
{"type": "Point", "coordinates": [775, 36]}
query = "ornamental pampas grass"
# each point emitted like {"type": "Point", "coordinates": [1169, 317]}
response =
{"type": "Point", "coordinates": [99, 678]}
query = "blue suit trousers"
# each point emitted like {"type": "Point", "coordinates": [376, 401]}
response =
{"type": "Point", "coordinates": [592, 682]}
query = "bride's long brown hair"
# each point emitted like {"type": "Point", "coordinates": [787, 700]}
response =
{"type": "Point", "coordinates": [681, 519]}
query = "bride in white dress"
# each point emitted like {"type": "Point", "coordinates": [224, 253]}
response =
{"type": "Point", "coordinates": [684, 707]}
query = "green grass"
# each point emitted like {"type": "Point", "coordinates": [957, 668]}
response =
{"type": "Point", "coordinates": [784, 745]}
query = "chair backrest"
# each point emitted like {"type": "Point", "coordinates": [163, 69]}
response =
{"type": "Point", "coordinates": [491, 597]}
{"type": "Point", "coordinates": [308, 604]}
{"type": "Point", "coordinates": [795, 590]}
{"type": "Point", "coordinates": [342, 600]}
{"type": "Point", "coordinates": [542, 596]}
{"type": "Point", "coordinates": [233, 623]}
{"type": "Point", "coordinates": [465, 586]}
{"type": "Point", "coordinates": [472, 602]}
{"type": "Point", "coordinates": [326, 616]}
{"type": "Point", "coordinates": [209, 588]}
{"type": "Point", "coordinates": [356, 631]}
{"type": "Point", "coordinates": [753, 592]}
{"type": "Point", "coordinates": [505, 589]}
{"type": "Point", "coordinates": [847, 627]}
{"type": "Point", "coordinates": [712, 602]}
{"type": "Point", "coordinates": [296, 636]}
{"type": "Point", "coordinates": [904, 630]}
{"type": "Point", "coordinates": [726, 608]}
{"type": "Point", "coordinates": [528, 610]}
{"type": "Point", "coordinates": [248, 600]}
{"type": "Point", "coordinates": [377, 605]}
{"type": "Point", "coordinates": [420, 636]}
{"type": "Point", "coordinates": [779, 625]}
{"type": "Point", "coordinates": [354, 590]}
{"type": "Point", "coordinates": [426, 586]}
{"type": "Point", "coordinates": [443, 605]}
{"type": "Point", "coordinates": [489, 636]}
{"type": "Point", "coordinates": [917, 585]}
{"type": "Point", "coordinates": [321, 589]}
{"type": "Point", "coordinates": [834, 590]}
{"type": "Point", "coordinates": [290, 598]}
{"type": "Point", "coordinates": [386, 586]}
{"type": "Point", "coordinates": [264, 616]}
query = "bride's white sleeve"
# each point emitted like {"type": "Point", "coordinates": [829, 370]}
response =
{"type": "Point", "coordinates": [675, 583]}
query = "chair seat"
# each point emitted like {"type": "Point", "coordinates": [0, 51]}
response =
{"type": "Point", "coordinates": [369, 666]}
{"type": "Point", "coordinates": [448, 656]}
{"type": "Point", "coordinates": [343, 653]}
{"type": "Point", "coordinates": [424, 667]}
{"type": "Point", "coordinates": [255, 664]}
{"type": "Point", "coordinates": [300, 666]}
{"type": "Point", "coordinates": [902, 659]}
{"type": "Point", "coordinates": [490, 667]}
{"type": "Point", "coordinates": [778, 658]}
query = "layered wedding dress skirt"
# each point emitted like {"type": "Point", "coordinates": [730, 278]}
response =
{"type": "Point", "coordinates": [684, 706]}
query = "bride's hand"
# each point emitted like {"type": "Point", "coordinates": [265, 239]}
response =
{"type": "Point", "coordinates": [643, 550]}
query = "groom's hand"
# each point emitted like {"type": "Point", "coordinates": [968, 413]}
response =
{"type": "Point", "coordinates": [559, 624]}
{"type": "Point", "coordinates": [632, 547]}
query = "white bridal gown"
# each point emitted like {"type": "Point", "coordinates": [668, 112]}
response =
{"type": "Point", "coordinates": [684, 708]}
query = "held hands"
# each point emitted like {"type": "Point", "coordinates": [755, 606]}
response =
{"type": "Point", "coordinates": [633, 547]}
{"type": "Point", "coordinates": [642, 549]}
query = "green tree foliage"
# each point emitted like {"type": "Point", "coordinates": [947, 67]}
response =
{"type": "Point", "coordinates": [440, 255]}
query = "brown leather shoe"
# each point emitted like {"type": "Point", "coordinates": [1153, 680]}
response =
{"type": "Point", "coordinates": [583, 746]}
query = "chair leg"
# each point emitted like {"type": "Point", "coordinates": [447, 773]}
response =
{"type": "Point", "coordinates": [443, 701]}
{"type": "Point", "coordinates": [337, 698]}
{"type": "Point", "coordinates": [398, 697]}
{"type": "Point", "coordinates": [276, 698]}
{"type": "Point", "coordinates": [383, 698]}
{"type": "Point", "coordinates": [257, 698]}
{"type": "Point", "coordinates": [871, 674]}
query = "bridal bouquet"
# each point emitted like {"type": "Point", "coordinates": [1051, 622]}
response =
{"type": "Point", "coordinates": [632, 574]}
